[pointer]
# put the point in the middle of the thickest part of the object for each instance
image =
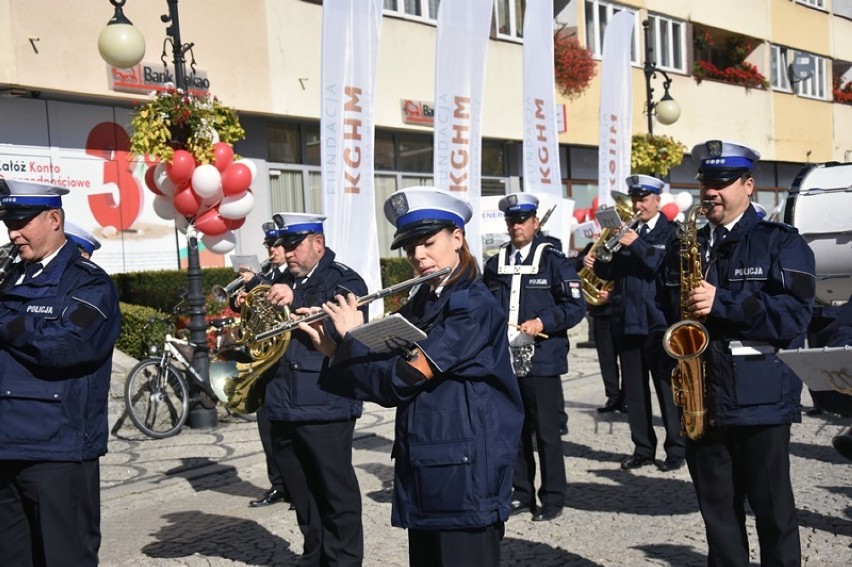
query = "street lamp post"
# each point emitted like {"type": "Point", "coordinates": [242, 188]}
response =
{"type": "Point", "coordinates": [120, 47]}
{"type": "Point", "coordinates": [667, 109]}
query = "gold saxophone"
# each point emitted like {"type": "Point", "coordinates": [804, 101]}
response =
{"type": "Point", "coordinates": [592, 284]}
{"type": "Point", "coordinates": [686, 340]}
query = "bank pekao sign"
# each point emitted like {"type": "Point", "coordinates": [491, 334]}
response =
{"type": "Point", "coordinates": [146, 77]}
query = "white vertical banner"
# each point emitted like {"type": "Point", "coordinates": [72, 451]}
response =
{"type": "Point", "coordinates": [616, 111]}
{"type": "Point", "coordinates": [462, 43]}
{"type": "Point", "coordinates": [542, 175]}
{"type": "Point", "coordinates": [350, 43]}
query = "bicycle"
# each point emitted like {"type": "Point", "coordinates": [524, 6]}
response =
{"type": "Point", "coordinates": [156, 391]}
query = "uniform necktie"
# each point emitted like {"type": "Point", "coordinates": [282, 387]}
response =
{"type": "Point", "coordinates": [719, 235]}
{"type": "Point", "coordinates": [30, 271]}
{"type": "Point", "coordinates": [643, 231]}
{"type": "Point", "coordinates": [518, 259]}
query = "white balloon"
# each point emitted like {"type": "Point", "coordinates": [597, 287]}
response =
{"type": "Point", "coordinates": [680, 217]}
{"type": "Point", "coordinates": [683, 200]}
{"type": "Point", "coordinates": [237, 206]}
{"type": "Point", "coordinates": [164, 207]}
{"type": "Point", "coordinates": [249, 164]}
{"type": "Point", "coordinates": [206, 180]}
{"type": "Point", "coordinates": [220, 244]}
{"type": "Point", "coordinates": [665, 199]}
{"type": "Point", "coordinates": [162, 181]}
{"type": "Point", "coordinates": [181, 223]}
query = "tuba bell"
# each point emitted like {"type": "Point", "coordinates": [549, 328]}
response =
{"type": "Point", "coordinates": [592, 284]}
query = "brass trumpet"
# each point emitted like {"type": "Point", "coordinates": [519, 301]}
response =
{"type": "Point", "coordinates": [225, 293]}
{"type": "Point", "coordinates": [612, 244]}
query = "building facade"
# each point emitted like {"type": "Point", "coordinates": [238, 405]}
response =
{"type": "Point", "coordinates": [65, 119]}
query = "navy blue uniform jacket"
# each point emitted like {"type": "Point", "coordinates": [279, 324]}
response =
{"type": "Point", "coordinates": [292, 384]}
{"type": "Point", "coordinates": [554, 295]}
{"type": "Point", "coordinates": [457, 435]}
{"type": "Point", "coordinates": [764, 275]}
{"type": "Point", "coordinates": [635, 310]}
{"type": "Point", "coordinates": [56, 338]}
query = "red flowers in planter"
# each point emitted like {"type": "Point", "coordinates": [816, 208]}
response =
{"type": "Point", "coordinates": [842, 94]}
{"type": "Point", "coordinates": [574, 65]}
{"type": "Point", "coordinates": [743, 73]}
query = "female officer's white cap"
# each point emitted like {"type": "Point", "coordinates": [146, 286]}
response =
{"type": "Point", "coordinates": [81, 237]}
{"type": "Point", "coordinates": [420, 211]}
{"type": "Point", "coordinates": [21, 200]}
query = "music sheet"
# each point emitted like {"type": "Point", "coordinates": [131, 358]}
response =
{"type": "Point", "coordinates": [388, 334]}
{"type": "Point", "coordinates": [828, 368]}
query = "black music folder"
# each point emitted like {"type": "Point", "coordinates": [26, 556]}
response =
{"type": "Point", "coordinates": [390, 333]}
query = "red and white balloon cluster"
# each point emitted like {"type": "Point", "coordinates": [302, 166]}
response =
{"type": "Point", "coordinates": [213, 197]}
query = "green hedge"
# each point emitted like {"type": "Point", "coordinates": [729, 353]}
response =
{"type": "Point", "coordinates": [144, 295]}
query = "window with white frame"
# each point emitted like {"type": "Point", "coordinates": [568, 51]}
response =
{"type": "Point", "coordinates": [812, 3]}
{"type": "Point", "coordinates": [668, 40]}
{"type": "Point", "coordinates": [598, 14]}
{"type": "Point", "coordinates": [425, 9]}
{"type": "Point", "coordinates": [509, 15]}
{"type": "Point", "coordinates": [816, 86]}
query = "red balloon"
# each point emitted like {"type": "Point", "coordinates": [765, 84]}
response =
{"type": "Point", "coordinates": [149, 181]}
{"type": "Point", "coordinates": [670, 210]}
{"type": "Point", "coordinates": [580, 214]}
{"type": "Point", "coordinates": [209, 222]}
{"type": "Point", "coordinates": [186, 202]}
{"type": "Point", "coordinates": [234, 224]}
{"type": "Point", "coordinates": [595, 204]}
{"type": "Point", "coordinates": [181, 167]}
{"type": "Point", "coordinates": [235, 179]}
{"type": "Point", "coordinates": [223, 154]}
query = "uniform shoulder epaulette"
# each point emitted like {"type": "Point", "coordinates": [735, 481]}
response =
{"type": "Point", "coordinates": [341, 266]}
{"type": "Point", "coordinates": [88, 265]}
{"type": "Point", "coordinates": [778, 225]}
{"type": "Point", "coordinates": [554, 250]}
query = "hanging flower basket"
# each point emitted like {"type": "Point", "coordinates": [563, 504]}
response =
{"type": "Point", "coordinates": [574, 66]}
{"type": "Point", "coordinates": [842, 94]}
{"type": "Point", "coordinates": [174, 119]}
{"type": "Point", "coordinates": [655, 155]}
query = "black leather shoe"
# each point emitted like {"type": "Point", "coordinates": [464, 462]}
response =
{"type": "Point", "coordinates": [563, 430]}
{"type": "Point", "coordinates": [516, 507]}
{"type": "Point", "coordinates": [547, 513]}
{"type": "Point", "coordinates": [609, 407]}
{"type": "Point", "coordinates": [272, 496]}
{"type": "Point", "coordinates": [671, 464]}
{"type": "Point", "coordinates": [636, 461]}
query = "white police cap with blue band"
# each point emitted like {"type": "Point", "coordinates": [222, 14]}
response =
{"type": "Point", "coordinates": [642, 185]}
{"type": "Point", "coordinates": [81, 237]}
{"type": "Point", "coordinates": [519, 206]}
{"type": "Point", "coordinates": [421, 211]}
{"type": "Point", "coordinates": [294, 227]}
{"type": "Point", "coordinates": [21, 200]}
{"type": "Point", "coordinates": [723, 161]}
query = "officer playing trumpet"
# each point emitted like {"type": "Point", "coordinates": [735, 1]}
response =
{"type": "Point", "coordinates": [638, 324]}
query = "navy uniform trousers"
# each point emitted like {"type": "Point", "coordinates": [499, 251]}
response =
{"type": "Point", "coordinates": [756, 457]}
{"type": "Point", "coordinates": [602, 332]}
{"type": "Point", "coordinates": [641, 356]}
{"type": "Point", "coordinates": [63, 499]}
{"type": "Point", "coordinates": [315, 457]}
{"type": "Point", "coordinates": [264, 429]}
{"type": "Point", "coordinates": [541, 396]}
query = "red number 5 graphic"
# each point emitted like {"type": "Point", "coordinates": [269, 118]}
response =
{"type": "Point", "coordinates": [110, 142]}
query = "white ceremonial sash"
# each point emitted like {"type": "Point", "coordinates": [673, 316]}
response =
{"type": "Point", "coordinates": [616, 110]}
{"type": "Point", "coordinates": [350, 43]}
{"type": "Point", "coordinates": [461, 46]}
{"type": "Point", "coordinates": [542, 175]}
{"type": "Point", "coordinates": [516, 337]}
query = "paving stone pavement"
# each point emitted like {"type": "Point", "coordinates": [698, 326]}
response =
{"type": "Point", "coordinates": [184, 500]}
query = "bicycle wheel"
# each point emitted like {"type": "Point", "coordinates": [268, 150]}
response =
{"type": "Point", "coordinates": [156, 398]}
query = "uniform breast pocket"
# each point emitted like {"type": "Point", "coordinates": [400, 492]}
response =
{"type": "Point", "coordinates": [757, 379]}
{"type": "Point", "coordinates": [31, 410]}
{"type": "Point", "coordinates": [306, 390]}
{"type": "Point", "coordinates": [444, 475]}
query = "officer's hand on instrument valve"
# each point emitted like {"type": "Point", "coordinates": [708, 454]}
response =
{"type": "Point", "coordinates": [628, 237]}
{"type": "Point", "coordinates": [589, 261]}
{"type": "Point", "coordinates": [280, 294]}
{"type": "Point", "coordinates": [700, 299]}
